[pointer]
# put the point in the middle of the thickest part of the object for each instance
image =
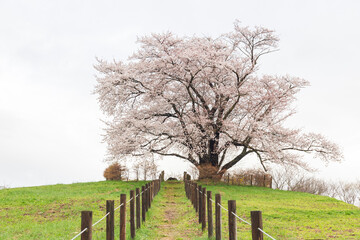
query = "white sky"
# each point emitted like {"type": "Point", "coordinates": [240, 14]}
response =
{"type": "Point", "coordinates": [50, 128]}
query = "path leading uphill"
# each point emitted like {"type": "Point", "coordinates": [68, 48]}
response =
{"type": "Point", "coordinates": [176, 218]}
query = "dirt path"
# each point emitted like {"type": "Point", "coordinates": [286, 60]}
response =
{"type": "Point", "coordinates": [178, 219]}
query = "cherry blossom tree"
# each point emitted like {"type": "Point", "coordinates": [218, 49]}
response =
{"type": "Point", "coordinates": [201, 99]}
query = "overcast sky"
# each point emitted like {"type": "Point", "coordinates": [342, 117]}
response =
{"type": "Point", "coordinates": [50, 128]}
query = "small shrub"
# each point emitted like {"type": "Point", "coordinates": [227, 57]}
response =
{"type": "Point", "coordinates": [114, 172]}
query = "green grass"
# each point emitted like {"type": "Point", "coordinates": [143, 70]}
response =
{"type": "Point", "coordinates": [53, 212]}
{"type": "Point", "coordinates": [290, 215]}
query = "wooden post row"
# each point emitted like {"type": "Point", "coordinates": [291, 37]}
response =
{"type": "Point", "coordinates": [203, 208]}
{"type": "Point", "coordinates": [151, 191]}
{"type": "Point", "coordinates": [189, 189]}
{"type": "Point", "coordinates": [190, 192]}
{"type": "Point", "coordinates": [86, 222]}
{"type": "Point", "coordinates": [256, 222]}
{"type": "Point", "coordinates": [185, 188]}
{"type": "Point", "coordinates": [193, 195]}
{"type": "Point", "coordinates": [196, 197]}
{"type": "Point", "coordinates": [143, 203]}
{"type": "Point", "coordinates": [199, 202]}
{"type": "Point", "coordinates": [132, 213]}
{"type": "Point", "coordinates": [217, 216]}
{"type": "Point", "coordinates": [156, 187]}
{"type": "Point", "coordinates": [138, 223]}
{"type": "Point", "coordinates": [123, 217]}
{"type": "Point", "coordinates": [232, 220]}
{"type": "Point", "coordinates": [110, 220]}
{"type": "Point", "coordinates": [210, 214]}
{"type": "Point", "coordinates": [147, 196]}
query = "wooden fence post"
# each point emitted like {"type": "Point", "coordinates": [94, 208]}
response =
{"type": "Point", "coordinates": [192, 194]}
{"type": "Point", "coordinates": [110, 220]}
{"type": "Point", "coordinates": [150, 194]}
{"type": "Point", "coordinates": [152, 190]}
{"type": "Point", "coordinates": [147, 197]}
{"type": "Point", "coordinates": [256, 222]}
{"type": "Point", "coordinates": [203, 210]}
{"type": "Point", "coordinates": [218, 216]}
{"type": "Point", "coordinates": [188, 188]}
{"type": "Point", "coordinates": [86, 222]}
{"type": "Point", "coordinates": [143, 203]}
{"type": "Point", "coordinates": [199, 202]}
{"type": "Point", "coordinates": [156, 187]}
{"type": "Point", "coordinates": [196, 197]}
{"type": "Point", "coordinates": [232, 220]}
{"type": "Point", "coordinates": [210, 217]}
{"type": "Point", "coordinates": [132, 213]}
{"type": "Point", "coordinates": [123, 217]}
{"type": "Point", "coordinates": [138, 223]}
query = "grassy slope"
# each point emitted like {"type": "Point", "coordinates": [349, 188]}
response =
{"type": "Point", "coordinates": [292, 215]}
{"type": "Point", "coordinates": [53, 212]}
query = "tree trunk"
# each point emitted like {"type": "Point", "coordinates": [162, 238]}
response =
{"type": "Point", "coordinates": [209, 172]}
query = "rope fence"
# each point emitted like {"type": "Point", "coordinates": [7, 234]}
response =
{"type": "Point", "coordinates": [196, 194]}
{"type": "Point", "coordinates": [149, 191]}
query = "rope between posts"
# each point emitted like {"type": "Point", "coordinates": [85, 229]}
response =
{"type": "Point", "coordinates": [222, 207]}
{"type": "Point", "coordinates": [129, 200]}
{"type": "Point", "coordinates": [118, 207]}
{"type": "Point", "coordinates": [101, 219]}
{"type": "Point", "coordinates": [266, 233]}
{"type": "Point", "coordinates": [238, 216]}
{"type": "Point", "coordinates": [79, 234]}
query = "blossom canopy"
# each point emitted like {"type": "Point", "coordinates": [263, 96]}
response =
{"type": "Point", "coordinates": [202, 100]}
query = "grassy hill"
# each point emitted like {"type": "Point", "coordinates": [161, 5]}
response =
{"type": "Point", "coordinates": [53, 212]}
